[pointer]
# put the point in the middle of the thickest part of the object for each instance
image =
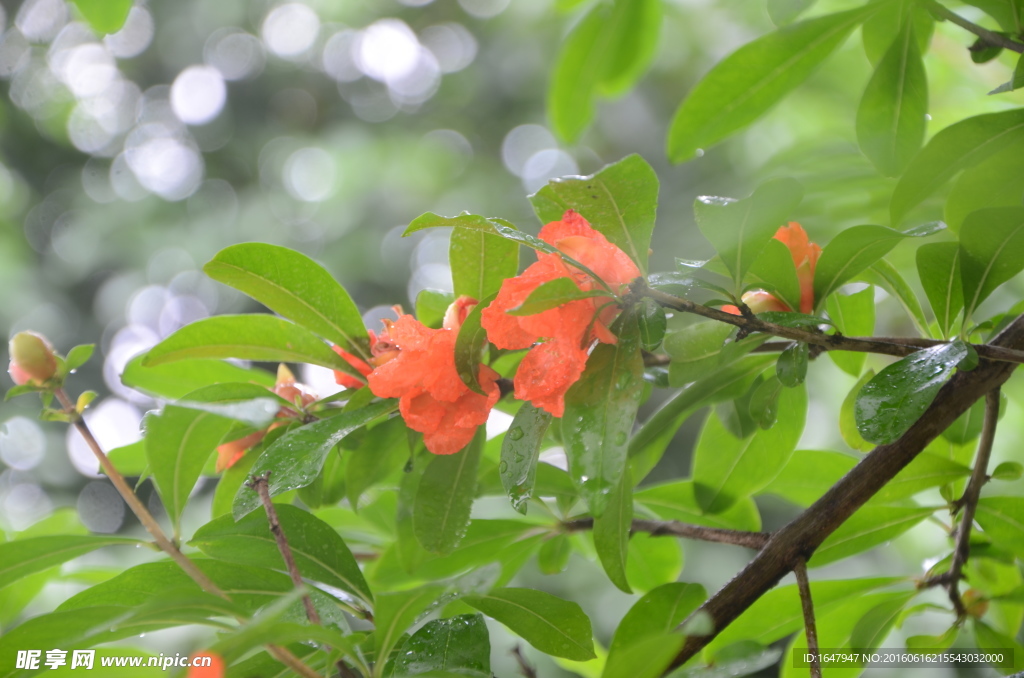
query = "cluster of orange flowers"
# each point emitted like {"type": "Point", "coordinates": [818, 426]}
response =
{"type": "Point", "coordinates": [416, 364]}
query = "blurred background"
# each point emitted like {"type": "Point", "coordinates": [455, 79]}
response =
{"type": "Point", "coordinates": [128, 160]}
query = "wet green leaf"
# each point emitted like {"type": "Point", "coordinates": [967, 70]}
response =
{"type": "Point", "coordinates": [520, 449]}
{"type": "Point", "coordinates": [470, 345]}
{"type": "Point", "coordinates": [938, 266]}
{"type": "Point", "coordinates": [620, 202]}
{"type": "Point", "coordinates": [445, 497]}
{"type": "Point", "coordinates": [320, 553]}
{"type": "Point", "coordinates": [177, 379]}
{"type": "Point", "coordinates": [600, 410]}
{"type": "Point", "coordinates": [457, 644]}
{"type": "Point", "coordinates": [774, 269]}
{"type": "Point", "coordinates": [552, 294]}
{"type": "Point", "coordinates": [611, 532]}
{"type": "Point", "coordinates": [854, 316]}
{"type": "Point", "coordinates": [791, 367]}
{"type": "Point", "coordinates": [480, 262]}
{"type": "Point", "coordinates": [991, 252]}
{"type": "Point", "coordinates": [295, 459]}
{"type": "Point", "coordinates": [294, 286]}
{"type": "Point", "coordinates": [652, 324]}
{"type": "Point", "coordinates": [394, 613]}
{"type": "Point", "coordinates": [897, 396]}
{"type": "Point", "coordinates": [696, 350]}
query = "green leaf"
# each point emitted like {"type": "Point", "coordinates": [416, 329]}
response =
{"type": "Point", "coordinates": [382, 450]}
{"type": "Point", "coordinates": [744, 85]}
{"type": "Point", "coordinates": [23, 557]}
{"type": "Point", "coordinates": [396, 612]}
{"type": "Point", "coordinates": [295, 459]}
{"type": "Point", "coordinates": [78, 356]}
{"type": "Point", "coordinates": [1016, 80]}
{"type": "Point", "coordinates": [552, 294]}
{"type": "Point", "coordinates": [870, 526]}
{"type": "Point", "coordinates": [431, 307]}
{"type": "Point", "coordinates": [775, 270]}
{"type": "Point", "coordinates": [886, 276]}
{"type": "Point", "coordinates": [778, 613]}
{"type": "Point", "coordinates": [104, 16]}
{"type": "Point", "coordinates": [891, 117]}
{"type": "Point", "coordinates": [250, 337]}
{"type": "Point", "coordinates": [938, 266]}
{"type": "Point", "coordinates": [809, 474]}
{"type": "Point", "coordinates": [652, 323]}
{"type": "Point", "coordinates": [600, 410]}
{"type": "Point", "coordinates": [652, 561]}
{"type": "Point", "coordinates": [178, 443]}
{"type": "Point", "coordinates": [926, 470]}
{"type": "Point", "coordinates": [997, 181]}
{"type": "Point", "coordinates": [552, 625]}
{"type": "Point", "coordinates": [854, 250]}
{"type": "Point", "coordinates": [604, 54]}
{"type": "Point", "coordinates": [995, 642]}
{"type": "Point", "coordinates": [991, 252]}
{"type": "Point", "coordinates": [320, 553]}
{"type": "Point", "coordinates": [520, 449]}
{"type": "Point", "coordinates": [791, 368]}
{"type": "Point", "coordinates": [1002, 519]}
{"type": "Point", "coordinates": [480, 262]}
{"type": "Point", "coordinates": [294, 286]}
{"type": "Point", "coordinates": [554, 553]}
{"type": "Point", "coordinates": [463, 220]}
{"type": "Point", "coordinates": [854, 316]}
{"type": "Point", "coordinates": [678, 501]}
{"type": "Point", "coordinates": [453, 644]}
{"type": "Point", "coordinates": [469, 347]}
{"type": "Point", "coordinates": [727, 469]}
{"type": "Point", "coordinates": [880, 31]}
{"type": "Point", "coordinates": [660, 611]}
{"type": "Point", "coordinates": [696, 350]}
{"type": "Point", "coordinates": [445, 497]}
{"type": "Point", "coordinates": [611, 532]}
{"type": "Point", "coordinates": [620, 202]}
{"type": "Point", "coordinates": [848, 416]}
{"type": "Point", "coordinates": [184, 376]}
{"type": "Point", "coordinates": [1008, 470]}
{"type": "Point", "coordinates": [740, 229]}
{"type": "Point", "coordinates": [897, 396]}
{"type": "Point", "coordinates": [961, 145]}
{"type": "Point", "coordinates": [782, 12]}
{"type": "Point", "coordinates": [647, 658]}
{"type": "Point", "coordinates": [249, 404]}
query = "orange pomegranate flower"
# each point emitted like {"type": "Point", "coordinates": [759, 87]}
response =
{"type": "Point", "coordinates": [206, 665]}
{"type": "Point", "coordinates": [419, 370]}
{"type": "Point", "coordinates": [805, 257]}
{"type": "Point", "coordinates": [287, 388]}
{"type": "Point", "coordinates": [561, 337]}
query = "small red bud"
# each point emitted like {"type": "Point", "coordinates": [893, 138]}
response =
{"type": "Point", "coordinates": [32, 358]}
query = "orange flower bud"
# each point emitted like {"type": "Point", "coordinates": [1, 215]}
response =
{"type": "Point", "coordinates": [976, 603]}
{"type": "Point", "coordinates": [32, 358]}
{"type": "Point", "coordinates": [760, 301]}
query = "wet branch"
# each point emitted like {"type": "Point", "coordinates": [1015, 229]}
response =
{"type": "Point", "coordinates": [894, 346]}
{"type": "Point", "coordinates": [671, 528]}
{"type": "Point", "coordinates": [810, 629]}
{"type": "Point", "coordinates": [797, 541]}
{"type": "Point", "coordinates": [259, 483]}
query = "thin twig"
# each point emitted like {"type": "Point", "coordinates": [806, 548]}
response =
{"type": "Point", "coordinates": [524, 666]}
{"type": "Point", "coordinates": [283, 655]}
{"type": "Point", "coordinates": [992, 38]}
{"type": "Point", "coordinates": [969, 503]}
{"type": "Point", "coordinates": [898, 347]}
{"type": "Point", "coordinates": [259, 483]}
{"type": "Point", "coordinates": [671, 528]}
{"type": "Point", "coordinates": [811, 630]}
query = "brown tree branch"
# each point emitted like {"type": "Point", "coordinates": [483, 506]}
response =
{"type": "Point", "coordinates": [281, 654]}
{"type": "Point", "coordinates": [898, 347]}
{"type": "Point", "coordinates": [524, 666]}
{"type": "Point", "coordinates": [805, 533]}
{"type": "Point", "coordinates": [969, 503]}
{"type": "Point", "coordinates": [810, 628]}
{"type": "Point", "coordinates": [672, 528]}
{"type": "Point", "coordinates": [259, 483]}
{"type": "Point", "coordinates": [990, 37]}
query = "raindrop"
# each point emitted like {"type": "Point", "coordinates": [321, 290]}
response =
{"type": "Point", "coordinates": [620, 438]}
{"type": "Point", "coordinates": [516, 433]}
{"type": "Point", "coordinates": [503, 467]}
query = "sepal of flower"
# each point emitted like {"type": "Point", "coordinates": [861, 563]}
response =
{"type": "Point", "coordinates": [420, 371]}
{"type": "Point", "coordinates": [287, 388]}
{"type": "Point", "coordinates": [559, 339]}
{"type": "Point", "coordinates": [805, 257]}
